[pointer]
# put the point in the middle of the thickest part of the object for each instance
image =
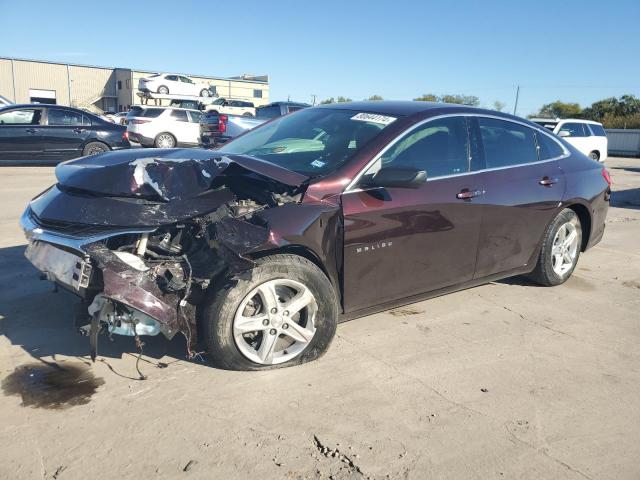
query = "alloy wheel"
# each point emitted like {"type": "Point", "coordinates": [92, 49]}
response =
{"type": "Point", "coordinates": [165, 141]}
{"type": "Point", "coordinates": [275, 322]}
{"type": "Point", "coordinates": [564, 249]}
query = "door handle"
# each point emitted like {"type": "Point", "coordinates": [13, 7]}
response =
{"type": "Point", "coordinates": [547, 182]}
{"type": "Point", "coordinates": [78, 130]}
{"type": "Point", "coordinates": [466, 194]}
{"type": "Point", "coordinates": [30, 130]}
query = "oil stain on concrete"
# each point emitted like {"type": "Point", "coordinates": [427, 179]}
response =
{"type": "Point", "coordinates": [52, 385]}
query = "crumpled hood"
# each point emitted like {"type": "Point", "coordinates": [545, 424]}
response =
{"type": "Point", "coordinates": [161, 174]}
{"type": "Point", "coordinates": [149, 187]}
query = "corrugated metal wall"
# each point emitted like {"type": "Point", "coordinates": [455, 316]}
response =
{"type": "Point", "coordinates": [624, 142]}
{"type": "Point", "coordinates": [93, 87]}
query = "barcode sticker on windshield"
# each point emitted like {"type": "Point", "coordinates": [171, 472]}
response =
{"type": "Point", "coordinates": [373, 118]}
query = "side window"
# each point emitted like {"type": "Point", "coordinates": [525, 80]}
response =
{"type": "Point", "coordinates": [293, 108]}
{"type": "Point", "coordinates": [257, 93]}
{"type": "Point", "coordinates": [185, 80]}
{"type": "Point", "coordinates": [574, 129]}
{"type": "Point", "coordinates": [597, 130]}
{"type": "Point", "coordinates": [547, 147]}
{"type": "Point", "coordinates": [440, 147]}
{"type": "Point", "coordinates": [179, 115]}
{"type": "Point", "coordinates": [21, 117]}
{"type": "Point", "coordinates": [506, 143]}
{"type": "Point", "coordinates": [86, 121]}
{"type": "Point", "coordinates": [63, 118]}
{"type": "Point", "coordinates": [195, 117]}
{"type": "Point", "coordinates": [171, 78]}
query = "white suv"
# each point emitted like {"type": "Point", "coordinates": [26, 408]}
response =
{"type": "Point", "coordinates": [163, 127]}
{"type": "Point", "coordinates": [170, 83]}
{"type": "Point", "coordinates": [232, 107]}
{"type": "Point", "coordinates": [587, 136]}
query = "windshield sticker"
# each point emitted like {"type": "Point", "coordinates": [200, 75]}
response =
{"type": "Point", "coordinates": [317, 163]}
{"type": "Point", "coordinates": [373, 118]}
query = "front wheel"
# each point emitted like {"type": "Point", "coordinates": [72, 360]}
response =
{"type": "Point", "coordinates": [205, 93]}
{"type": "Point", "coordinates": [247, 114]}
{"type": "Point", "coordinates": [163, 90]}
{"type": "Point", "coordinates": [594, 156]}
{"type": "Point", "coordinates": [560, 250]}
{"type": "Point", "coordinates": [281, 313]}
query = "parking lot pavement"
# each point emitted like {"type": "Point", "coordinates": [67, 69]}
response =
{"type": "Point", "coordinates": [507, 380]}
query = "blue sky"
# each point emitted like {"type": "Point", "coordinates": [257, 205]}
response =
{"type": "Point", "coordinates": [577, 51]}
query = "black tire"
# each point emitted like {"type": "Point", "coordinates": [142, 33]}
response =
{"type": "Point", "coordinates": [247, 114]}
{"type": "Point", "coordinates": [594, 156]}
{"type": "Point", "coordinates": [205, 93]}
{"type": "Point", "coordinates": [94, 148]}
{"type": "Point", "coordinates": [544, 273]}
{"type": "Point", "coordinates": [162, 90]}
{"type": "Point", "coordinates": [161, 136]}
{"type": "Point", "coordinates": [219, 309]}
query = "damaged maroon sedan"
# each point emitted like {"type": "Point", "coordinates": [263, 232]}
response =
{"type": "Point", "coordinates": [259, 249]}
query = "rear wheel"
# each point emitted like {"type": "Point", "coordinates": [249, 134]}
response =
{"type": "Point", "coordinates": [247, 114]}
{"type": "Point", "coordinates": [281, 313]}
{"type": "Point", "coordinates": [205, 93]}
{"type": "Point", "coordinates": [94, 148]}
{"type": "Point", "coordinates": [163, 90]}
{"type": "Point", "coordinates": [164, 140]}
{"type": "Point", "coordinates": [560, 250]}
{"type": "Point", "coordinates": [595, 156]}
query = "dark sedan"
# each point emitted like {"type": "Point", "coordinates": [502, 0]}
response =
{"type": "Point", "coordinates": [52, 133]}
{"type": "Point", "coordinates": [260, 248]}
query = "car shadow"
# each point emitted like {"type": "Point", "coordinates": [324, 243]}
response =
{"type": "Point", "coordinates": [628, 169]}
{"type": "Point", "coordinates": [40, 320]}
{"type": "Point", "coordinates": [626, 198]}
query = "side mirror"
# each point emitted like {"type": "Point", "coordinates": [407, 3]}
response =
{"type": "Point", "coordinates": [564, 133]}
{"type": "Point", "coordinates": [398, 177]}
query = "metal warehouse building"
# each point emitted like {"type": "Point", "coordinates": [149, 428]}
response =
{"type": "Point", "coordinates": [103, 89]}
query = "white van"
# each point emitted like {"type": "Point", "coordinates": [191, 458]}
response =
{"type": "Point", "coordinates": [586, 135]}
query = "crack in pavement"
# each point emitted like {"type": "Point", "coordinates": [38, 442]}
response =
{"type": "Point", "coordinates": [335, 453]}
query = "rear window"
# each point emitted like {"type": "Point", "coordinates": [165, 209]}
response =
{"type": "Point", "coordinates": [506, 143]}
{"type": "Point", "coordinates": [179, 115]}
{"type": "Point", "coordinates": [149, 112]}
{"type": "Point", "coordinates": [271, 111]}
{"type": "Point", "coordinates": [547, 147]}
{"type": "Point", "coordinates": [597, 130]}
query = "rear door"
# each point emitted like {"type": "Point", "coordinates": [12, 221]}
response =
{"type": "Point", "coordinates": [194, 127]}
{"type": "Point", "coordinates": [65, 133]}
{"type": "Point", "coordinates": [523, 186]}
{"type": "Point", "coordinates": [181, 127]}
{"type": "Point", "coordinates": [400, 242]}
{"type": "Point", "coordinates": [21, 134]}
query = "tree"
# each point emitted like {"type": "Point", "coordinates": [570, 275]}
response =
{"type": "Point", "coordinates": [560, 109]}
{"type": "Point", "coordinates": [375, 98]}
{"type": "Point", "coordinates": [460, 99]}
{"type": "Point", "coordinates": [427, 97]}
{"type": "Point", "coordinates": [498, 105]}
{"type": "Point", "coordinates": [326, 101]}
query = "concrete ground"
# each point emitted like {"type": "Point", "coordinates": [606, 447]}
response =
{"type": "Point", "coordinates": [507, 380]}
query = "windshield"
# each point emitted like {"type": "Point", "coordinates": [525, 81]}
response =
{"type": "Point", "coordinates": [313, 141]}
{"type": "Point", "coordinates": [219, 101]}
{"type": "Point", "coordinates": [549, 125]}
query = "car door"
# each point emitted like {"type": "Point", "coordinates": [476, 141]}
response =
{"type": "Point", "coordinates": [173, 84]}
{"type": "Point", "coordinates": [194, 127]}
{"type": "Point", "coordinates": [65, 133]}
{"type": "Point", "coordinates": [21, 134]}
{"type": "Point", "coordinates": [180, 126]}
{"type": "Point", "coordinates": [400, 242]}
{"type": "Point", "coordinates": [188, 87]}
{"type": "Point", "coordinates": [523, 185]}
{"type": "Point", "coordinates": [577, 135]}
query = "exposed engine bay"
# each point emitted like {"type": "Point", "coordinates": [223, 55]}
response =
{"type": "Point", "coordinates": [150, 282]}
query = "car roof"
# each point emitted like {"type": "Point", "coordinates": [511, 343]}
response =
{"type": "Point", "coordinates": [302, 104]}
{"type": "Point", "coordinates": [558, 120]}
{"type": "Point", "coordinates": [408, 108]}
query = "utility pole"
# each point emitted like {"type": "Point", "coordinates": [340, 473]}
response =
{"type": "Point", "coordinates": [314, 99]}
{"type": "Point", "coordinates": [515, 107]}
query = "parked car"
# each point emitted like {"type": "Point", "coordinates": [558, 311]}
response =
{"type": "Point", "coordinates": [164, 127]}
{"type": "Point", "coordinates": [170, 83]}
{"type": "Point", "coordinates": [39, 132]}
{"type": "Point", "coordinates": [277, 109]}
{"type": "Point", "coordinates": [232, 107]}
{"type": "Point", "coordinates": [320, 216]}
{"type": "Point", "coordinates": [217, 128]}
{"type": "Point", "coordinates": [118, 117]}
{"type": "Point", "coordinates": [586, 135]}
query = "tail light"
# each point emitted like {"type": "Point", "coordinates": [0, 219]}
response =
{"type": "Point", "coordinates": [125, 135]}
{"type": "Point", "coordinates": [139, 122]}
{"type": "Point", "coordinates": [606, 176]}
{"type": "Point", "coordinates": [222, 123]}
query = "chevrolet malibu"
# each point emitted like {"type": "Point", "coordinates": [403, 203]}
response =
{"type": "Point", "coordinates": [257, 250]}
